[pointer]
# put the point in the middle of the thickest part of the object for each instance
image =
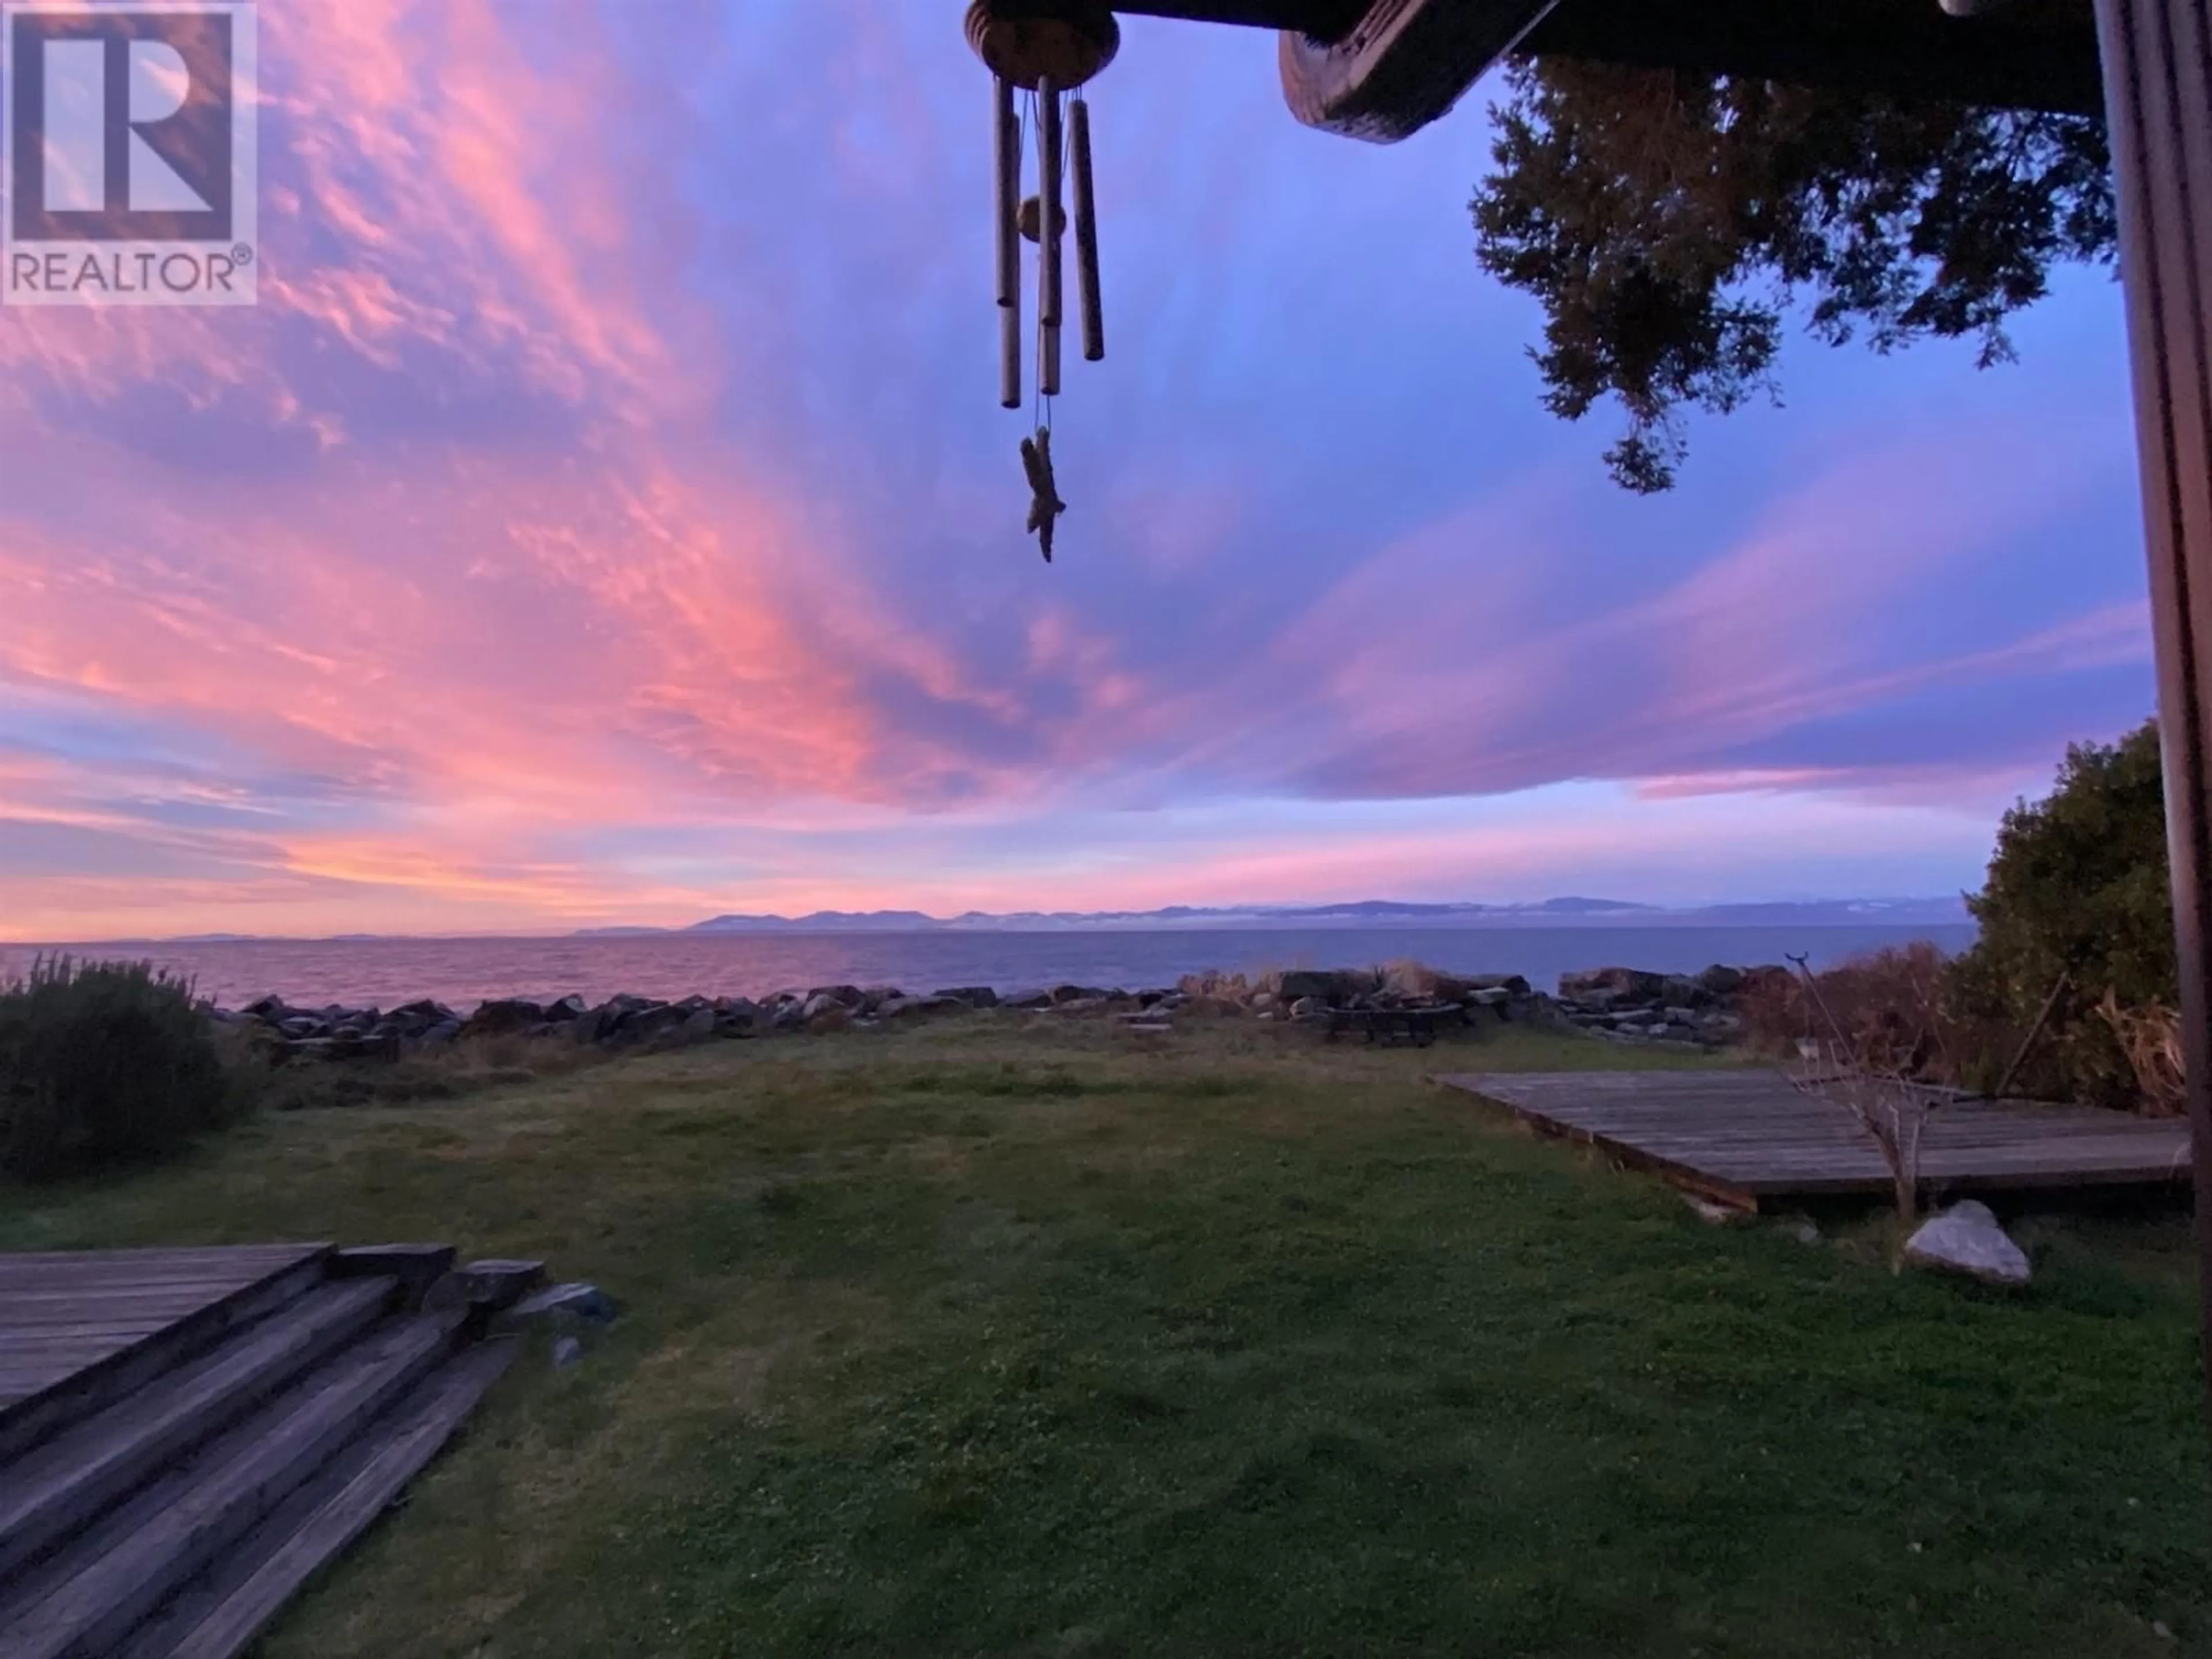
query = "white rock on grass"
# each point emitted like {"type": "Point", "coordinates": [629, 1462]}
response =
{"type": "Point", "coordinates": [1966, 1239]}
{"type": "Point", "coordinates": [1715, 1214]}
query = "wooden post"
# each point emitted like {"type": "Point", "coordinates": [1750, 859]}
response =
{"type": "Point", "coordinates": [2158, 99]}
{"type": "Point", "coordinates": [1006, 190]}
{"type": "Point", "coordinates": [1086, 232]}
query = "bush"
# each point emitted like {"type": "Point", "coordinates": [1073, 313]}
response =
{"type": "Point", "coordinates": [102, 1064]}
{"type": "Point", "coordinates": [1895, 1011]}
{"type": "Point", "coordinates": [2078, 887]}
{"type": "Point", "coordinates": [2151, 1037]}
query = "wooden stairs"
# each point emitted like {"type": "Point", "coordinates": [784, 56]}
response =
{"type": "Point", "coordinates": [166, 1494]}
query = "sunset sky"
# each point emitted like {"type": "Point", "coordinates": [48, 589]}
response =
{"type": "Point", "coordinates": [606, 515]}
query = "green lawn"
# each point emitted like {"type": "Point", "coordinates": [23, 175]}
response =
{"type": "Point", "coordinates": [984, 1340]}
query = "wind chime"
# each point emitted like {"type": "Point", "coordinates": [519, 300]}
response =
{"type": "Point", "coordinates": [1045, 50]}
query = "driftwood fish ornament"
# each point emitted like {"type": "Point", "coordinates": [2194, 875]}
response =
{"type": "Point", "coordinates": [1045, 505]}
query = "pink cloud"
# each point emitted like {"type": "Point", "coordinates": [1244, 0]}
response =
{"type": "Point", "coordinates": [420, 587]}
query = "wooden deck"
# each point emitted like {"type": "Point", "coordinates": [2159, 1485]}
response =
{"type": "Point", "coordinates": [188, 1436]}
{"type": "Point", "coordinates": [70, 1317]}
{"type": "Point", "coordinates": [1749, 1138]}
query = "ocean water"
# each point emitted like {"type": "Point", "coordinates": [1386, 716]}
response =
{"type": "Point", "coordinates": [464, 971]}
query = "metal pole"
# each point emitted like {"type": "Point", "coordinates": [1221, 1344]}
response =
{"type": "Point", "coordinates": [2158, 100]}
{"type": "Point", "coordinates": [1086, 232]}
{"type": "Point", "coordinates": [1010, 355]}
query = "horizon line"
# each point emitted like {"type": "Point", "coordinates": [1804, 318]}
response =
{"type": "Point", "coordinates": [1533, 910]}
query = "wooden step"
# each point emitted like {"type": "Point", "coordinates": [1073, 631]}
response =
{"type": "Point", "coordinates": [112, 1576]}
{"type": "Point", "coordinates": [271, 1277]}
{"type": "Point", "coordinates": [75, 1476]}
{"type": "Point", "coordinates": [219, 1616]}
{"type": "Point", "coordinates": [416, 1266]}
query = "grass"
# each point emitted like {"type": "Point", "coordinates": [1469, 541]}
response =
{"type": "Point", "coordinates": [996, 1339]}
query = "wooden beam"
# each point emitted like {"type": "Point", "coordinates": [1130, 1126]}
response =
{"type": "Point", "coordinates": [2031, 56]}
{"type": "Point", "coordinates": [1325, 20]}
{"type": "Point", "coordinates": [2157, 82]}
{"type": "Point", "coordinates": [1382, 69]}
{"type": "Point", "coordinates": [1404, 64]}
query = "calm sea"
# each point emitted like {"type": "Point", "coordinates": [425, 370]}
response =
{"type": "Point", "coordinates": [465, 971]}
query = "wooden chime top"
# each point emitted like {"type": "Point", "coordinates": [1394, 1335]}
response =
{"type": "Point", "coordinates": [1027, 43]}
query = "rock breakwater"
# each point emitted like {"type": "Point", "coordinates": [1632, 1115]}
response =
{"type": "Point", "coordinates": [1617, 1005]}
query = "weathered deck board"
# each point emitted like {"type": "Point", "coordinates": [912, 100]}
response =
{"type": "Point", "coordinates": [1750, 1136]}
{"type": "Point", "coordinates": [63, 1312]}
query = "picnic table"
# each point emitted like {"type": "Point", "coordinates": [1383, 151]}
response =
{"type": "Point", "coordinates": [1418, 1025]}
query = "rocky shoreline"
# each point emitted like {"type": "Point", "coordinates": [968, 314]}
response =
{"type": "Point", "coordinates": [1616, 1005]}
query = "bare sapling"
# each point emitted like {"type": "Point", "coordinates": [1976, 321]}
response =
{"type": "Point", "coordinates": [1861, 1075]}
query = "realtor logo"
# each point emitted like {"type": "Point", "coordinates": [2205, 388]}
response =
{"type": "Point", "coordinates": [127, 153]}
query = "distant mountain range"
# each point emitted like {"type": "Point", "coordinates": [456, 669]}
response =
{"type": "Point", "coordinates": [1370, 913]}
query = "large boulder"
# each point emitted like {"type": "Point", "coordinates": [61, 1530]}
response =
{"type": "Point", "coordinates": [1625, 985]}
{"type": "Point", "coordinates": [569, 1008]}
{"type": "Point", "coordinates": [422, 1014]}
{"type": "Point", "coordinates": [639, 1020]}
{"type": "Point", "coordinates": [923, 1007]}
{"type": "Point", "coordinates": [975, 996]}
{"type": "Point", "coordinates": [1034, 997]}
{"type": "Point", "coordinates": [1967, 1239]}
{"type": "Point", "coordinates": [503, 1015]}
{"type": "Point", "coordinates": [1514, 985]}
{"type": "Point", "coordinates": [847, 996]}
{"type": "Point", "coordinates": [1298, 983]}
{"type": "Point", "coordinates": [1722, 980]}
{"type": "Point", "coordinates": [819, 1003]}
{"type": "Point", "coordinates": [696, 1025]}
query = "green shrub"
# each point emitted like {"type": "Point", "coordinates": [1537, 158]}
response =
{"type": "Point", "coordinates": [2078, 886]}
{"type": "Point", "coordinates": [101, 1064]}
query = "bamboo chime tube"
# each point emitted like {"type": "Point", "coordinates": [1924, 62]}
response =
{"type": "Point", "coordinates": [1048, 362]}
{"type": "Point", "coordinates": [1010, 355]}
{"type": "Point", "coordinates": [1048, 227]}
{"type": "Point", "coordinates": [1005, 207]}
{"type": "Point", "coordinates": [1086, 232]}
{"type": "Point", "coordinates": [1006, 226]}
